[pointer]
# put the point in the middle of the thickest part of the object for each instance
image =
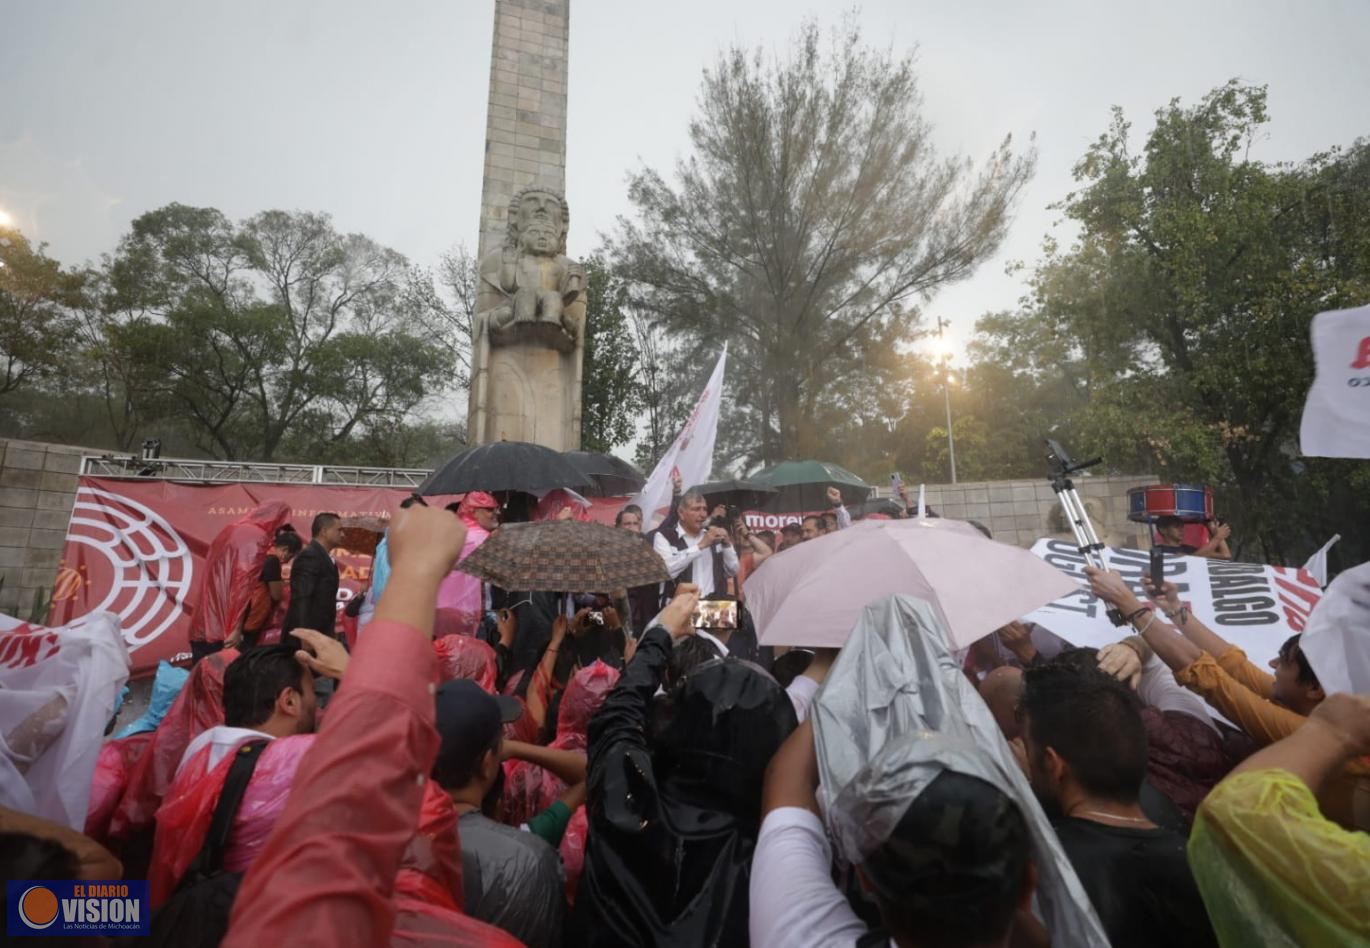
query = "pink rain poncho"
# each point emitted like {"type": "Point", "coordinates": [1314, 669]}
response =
{"type": "Point", "coordinates": [183, 821]}
{"type": "Point", "coordinates": [460, 593]}
{"type": "Point", "coordinates": [462, 657]}
{"type": "Point", "coordinates": [529, 789]}
{"type": "Point", "coordinates": [232, 569]}
{"type": "Point", "coordinates": [198, 707]}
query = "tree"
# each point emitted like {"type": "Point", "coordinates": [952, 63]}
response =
{"type": "Point", "coordinates": [610, 392]}
{"type": "Point", "coordinates": [276, 334]}
{"type": "Point", "coordinates": [35, 319]}
{"type": "Point", "coordinates": [811, 217]}
{"type": "Point", "coordinates": [1174, 330]}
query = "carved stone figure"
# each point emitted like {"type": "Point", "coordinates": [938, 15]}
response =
{"type": "Point", "coordinates": [529, 290]}
{"type": "Point", "coordinates": [529, 331]}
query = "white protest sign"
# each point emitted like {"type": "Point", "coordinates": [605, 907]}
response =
{"type": "Point", "coordinates": [1336, 417]}
{"type": "Point", "coordinates": [1253, 606]}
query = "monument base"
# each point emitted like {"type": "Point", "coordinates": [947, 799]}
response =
{"type": "Point", "coordinates": [539, 397]}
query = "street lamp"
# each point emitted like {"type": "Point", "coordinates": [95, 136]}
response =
{"type": "Point", "coordinates": [946, 391]}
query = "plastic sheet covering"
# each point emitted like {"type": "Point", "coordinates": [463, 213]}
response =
{"type": "Point", "coordinates": [896, 678]}
{"type": "Point", "coordinates": [185, 815]}
{"type": "Point", "coordinates": [420, 924]}
{"type": "Point", "coordinates": [530, 789]}
{"type": "Point", "coordinates": [57, 689]}
{"type": "Point", "coordinates": [198, 707]}
{"type": "Point", "coordinates": [430, 868]}
{"type": "Point", "coordinates": [112, 768]}
{"type": "Point", "coordinates": [165, 687]}
{"type": "Point", "coordinates": [1273, 872]}
{"type": "Point", "coordinates": [463, 657]}
{"type": "Point", "coordinates": [232, 569]}
{"type": "Point", "coordinates": [573, 851]}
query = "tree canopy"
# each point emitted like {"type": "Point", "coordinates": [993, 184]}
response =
{"type": "Point", "coordinates": [811, 216]}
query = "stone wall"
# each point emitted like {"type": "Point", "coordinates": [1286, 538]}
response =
{"type": "Point", "coordinates": [1022, 512]}
{"type": "Point", "coordinates": [37, 490]}
{"type": "Point", "coordinates": [525, 134]}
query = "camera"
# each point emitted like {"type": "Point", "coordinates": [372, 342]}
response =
{"type": "Point", "coordinates": [597, 617]}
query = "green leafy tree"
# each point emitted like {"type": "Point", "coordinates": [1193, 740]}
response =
{"type": "Point", "coordinates": [611, 395]}
{"type": "Point", "coordinates": [1173, 333]}
{"type": "Point", "coordinates": [36, 323]}
{"type": "Point", "coordinates": [810, 217]}
{"type": "Point", "coordinates": [278, 336]}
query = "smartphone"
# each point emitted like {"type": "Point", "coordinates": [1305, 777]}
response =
{"type": "Point", "coordinates": [896, 482]}
{"type": "Point", "coordinates": [716, 614]}
{"type": "Point", "coordinates": [1157, 568]}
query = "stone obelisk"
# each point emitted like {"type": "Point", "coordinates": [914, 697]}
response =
{"type": "Point", "coordinates": [529, 328]}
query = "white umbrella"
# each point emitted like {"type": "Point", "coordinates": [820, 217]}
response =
{"type": "Point", "coordinates": [812, 595]}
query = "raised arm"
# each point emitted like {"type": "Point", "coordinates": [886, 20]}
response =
{"type": "Point", "coordinates": [569, 766]}
{"type": "Point", "coordinates": [330, 863]}
{"type": "Point", "coordinates": [620, 765]}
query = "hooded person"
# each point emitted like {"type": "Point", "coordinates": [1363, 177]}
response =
{"type": "Point", "coordinates": [673, 818]}
{"type": "Point", "coordinates": [530, 789]}
{"type": "Point", "coordinates": [461, 592]}
{"type": "Point", "coordinates": [231, 572]}
{"type": "Point", "coordinates": [460, 656]}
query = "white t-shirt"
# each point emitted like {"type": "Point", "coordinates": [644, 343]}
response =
{"type": "Point", "coordinates": [793, 899]}
{"type": "Point", "coordinates": [693, 565]}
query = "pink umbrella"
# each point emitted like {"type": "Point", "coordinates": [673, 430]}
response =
{"type": "Point", "coordinates": [812, 595]}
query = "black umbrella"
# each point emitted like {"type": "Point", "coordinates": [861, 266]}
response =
{"type": "Point", "coordinates": [611, 476]}
{"type": "Point", "coordinates": [504, 466]}
{"type": "Point", "coordinates": [740, 493]}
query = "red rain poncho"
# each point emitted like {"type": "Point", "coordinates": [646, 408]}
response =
{"type": "Point", "coordinates": [198, 707]}
{"type": "Point", "coordinates": [112, 769]}
{"type": "Point", "coordinates": [428, 887]}
{"type": "Point", "coordinates": [232, 569]}
{"type": "Point", "coordinates": [183, 821]}
{"type": "Point", "coordinates": [462, 657]}
{"type": "Point", "coordinates": [528, 788]}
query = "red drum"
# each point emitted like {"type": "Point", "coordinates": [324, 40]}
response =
{"type": "Point", "coordinates": [1192, 503]}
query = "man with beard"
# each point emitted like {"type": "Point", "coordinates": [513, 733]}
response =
{"type": "Point", "coordinates": [1086, 749]}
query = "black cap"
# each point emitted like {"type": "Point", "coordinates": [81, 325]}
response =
{"type": "Point", "coordinates": [468, 718]}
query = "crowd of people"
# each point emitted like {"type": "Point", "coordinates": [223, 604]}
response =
{"type": "Point", "coordinates": [495, 767]}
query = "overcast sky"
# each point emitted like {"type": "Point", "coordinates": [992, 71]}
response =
{"type": "Point", "coordinates": [375, 111]}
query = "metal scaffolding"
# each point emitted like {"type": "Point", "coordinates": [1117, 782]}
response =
{"type": "Point", "coordinates": [248, 472]}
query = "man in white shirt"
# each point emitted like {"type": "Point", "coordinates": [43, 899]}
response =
{"type": "Point", "coordinates": [694, 554]}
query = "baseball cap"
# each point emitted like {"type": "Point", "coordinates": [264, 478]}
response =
{"type": "Point", "coordinates": [478, 499]}
{"type": "Point", "coordinates": [468, 718]}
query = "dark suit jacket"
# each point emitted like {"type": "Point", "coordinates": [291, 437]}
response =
{"type": "Point", "coordinates": [313, 592]}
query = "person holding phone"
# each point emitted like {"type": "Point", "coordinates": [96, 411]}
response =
{"type": "Point", "coordinates": [696, 553]}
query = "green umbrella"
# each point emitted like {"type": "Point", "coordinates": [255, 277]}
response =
{"type": "Point", "coordinates": [803, 485]}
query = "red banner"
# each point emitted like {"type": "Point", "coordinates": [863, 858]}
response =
{"type": "Point", "coordinates": [136, 548]}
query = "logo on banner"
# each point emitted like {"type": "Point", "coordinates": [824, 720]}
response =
{"type": "Point", "coordinates": [57, 908]}
{"type": "Point", "coordinates": [139, 560]}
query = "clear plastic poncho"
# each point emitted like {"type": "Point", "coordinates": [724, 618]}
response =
{"type": "Point", "coordinates": [897, 677]}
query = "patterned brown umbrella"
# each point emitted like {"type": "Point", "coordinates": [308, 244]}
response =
{"type": "Point", "coordinates": [362, 535]}
{"type": "Point", "coordinates": [565, 556]}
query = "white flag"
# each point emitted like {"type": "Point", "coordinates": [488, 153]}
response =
{"type": "Point", "coordinates": [692, 453]}
{"type": "Point", "coordinates": [1336, 417]}
{"type": "Point", "coordinates": [1317, 563]}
